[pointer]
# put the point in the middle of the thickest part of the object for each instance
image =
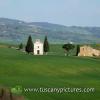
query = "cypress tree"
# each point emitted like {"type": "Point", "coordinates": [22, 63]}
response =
{"type": "Point", "coordinates": [29, 46]}
{"type": "Point", "coordinates": [46, 45]}
{"type": "Point", "coordinates": [77, 50]}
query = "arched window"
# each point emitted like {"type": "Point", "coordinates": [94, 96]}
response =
{"type": "Point", "coordinates": [38, 47]}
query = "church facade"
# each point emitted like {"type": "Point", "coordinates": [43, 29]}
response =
{"type": "Point", "coordinates": [38, 47]}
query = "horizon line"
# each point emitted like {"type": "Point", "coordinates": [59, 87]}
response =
{"type": "Point", "coordinates": [49, 22]}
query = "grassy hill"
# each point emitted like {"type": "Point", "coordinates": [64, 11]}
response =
{"type": "Point", "coordinates": [18, 68]}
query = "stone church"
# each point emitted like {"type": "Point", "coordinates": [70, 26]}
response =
{"type": "Point", "coordinates": [38, 47]}
{"type": "Point", "coordinates": [88, 51]}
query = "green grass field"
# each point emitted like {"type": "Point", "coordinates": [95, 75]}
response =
{"type": "Point", "coordinates": [18, 68]}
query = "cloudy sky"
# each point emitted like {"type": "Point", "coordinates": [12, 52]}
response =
{"type": "Point", "coordinates": [65, 12]}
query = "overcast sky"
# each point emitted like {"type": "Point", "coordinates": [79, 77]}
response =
{"type": "Point", "coordinates": [65, 12]}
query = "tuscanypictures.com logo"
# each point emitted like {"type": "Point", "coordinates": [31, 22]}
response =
{"type": "Point", "coordinates": [17, 89]}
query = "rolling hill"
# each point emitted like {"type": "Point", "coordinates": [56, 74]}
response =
{"type": "Point", "coordinates": [16, 31]}
{"type": "Point", "coordinates": [48, 71]}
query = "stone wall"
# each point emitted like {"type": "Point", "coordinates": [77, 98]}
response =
{"type": "Point", "coordinates": [88, 51]}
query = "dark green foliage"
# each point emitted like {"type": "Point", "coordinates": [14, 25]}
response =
{"type": "Point", "coordinates": [68, 47]}
{"type": "Point", "coordinates": [46, 45]}
{"type": "Point", "coordinates": [29, 46]}
{"type": "Point", "coordinates": [77, 50]}
{"type": "Point", "coordinates": [21, 46]}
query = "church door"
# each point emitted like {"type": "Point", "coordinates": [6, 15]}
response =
{"type": "Point", "coordinates": [38, 52]}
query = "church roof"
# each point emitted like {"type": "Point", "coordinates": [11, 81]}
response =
{"type": "Point", "coordinates": [38, 41]}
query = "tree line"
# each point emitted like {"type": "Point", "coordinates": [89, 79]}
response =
{"type": "Point", "coordinates": [70, 46]}
{"type": "Point", "coordinates": [29, 46]}
{"type": "Point", "coordinates": [67, 47]}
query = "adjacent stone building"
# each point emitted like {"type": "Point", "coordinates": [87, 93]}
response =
{"type": "Point", "coordinates": [38, 47]}
{"type": "Point", "coordinates": [88, 51]}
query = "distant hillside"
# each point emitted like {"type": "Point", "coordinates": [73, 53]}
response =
{"type": "Point", "coordinates": [16, 31]}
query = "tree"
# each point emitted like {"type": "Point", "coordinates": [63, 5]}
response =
{"type": "Point", "coordinates": [77, 50]}
{"type": "Point", "coordinates": [29, 46]}
{"type": "Point", "coordinates": [67, 48]}
{"type": "Point", "coordinates": [20, 46]}
{"type": "Point", "coordinates": [46, 45]}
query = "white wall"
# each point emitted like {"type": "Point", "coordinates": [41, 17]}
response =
{"type": "Point", "coordinates": [38, 46]}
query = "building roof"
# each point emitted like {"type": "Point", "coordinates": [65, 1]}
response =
{"type": "Point", "coordinates": [38, 41]}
